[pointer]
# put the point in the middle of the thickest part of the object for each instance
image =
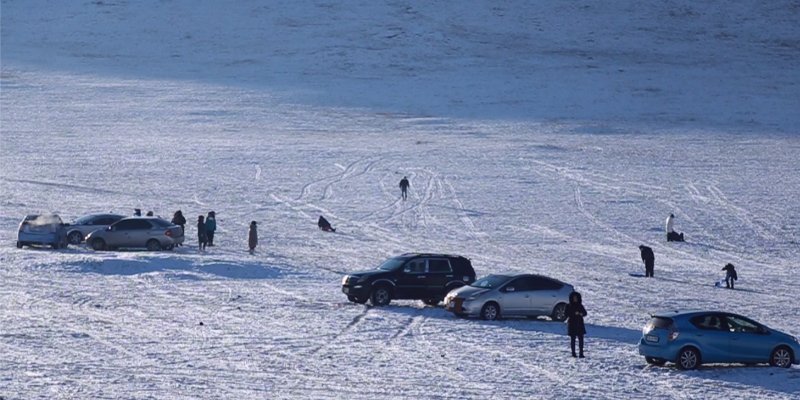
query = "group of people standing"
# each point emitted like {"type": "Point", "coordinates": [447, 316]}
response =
{"type": "Point", "coordinates": [206, 227]}
{"type": "Point", "coordinates": [649, 258]}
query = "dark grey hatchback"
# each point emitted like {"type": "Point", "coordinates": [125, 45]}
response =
{"type": "Point", "coordinates": [417, 276]}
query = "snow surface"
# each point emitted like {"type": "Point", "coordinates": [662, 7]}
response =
{"type": "Point", "coordinates": [546, 137]}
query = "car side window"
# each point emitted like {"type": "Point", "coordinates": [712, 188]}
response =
{"type": "Point", "coordinates": [520, 284]}
{"type": "Point", "coordinates": [102, 221]}
{"type": "Point", "coordinates": [141, 224]}
{"type": "Point", "coordinates": [439, 266]}
{"type": "Point", "coordinates": [709, 323]}
{"type": "Point", "coordinates": [545, 284]}
{"type": "Point", "coordinates": [415, 267]}
{"type": "Point", "coordinates": [742, 325]}
{"type": "Point", "coordinates": [124, 225]}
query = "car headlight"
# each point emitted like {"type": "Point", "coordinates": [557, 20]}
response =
{"type": "Point", "coordinates": [344, 279]}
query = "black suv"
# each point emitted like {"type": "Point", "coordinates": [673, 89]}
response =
{"type": "Point", "coordinates": [426, 277]}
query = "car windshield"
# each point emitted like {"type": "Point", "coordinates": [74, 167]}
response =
{"type": "Point", "coordinates": [491, 281]}
{"type": "Point", "coordinates": [391, 264]}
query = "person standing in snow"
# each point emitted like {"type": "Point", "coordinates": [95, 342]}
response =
{"type": "Point", "coordinates": [649, 260]}
{"type": "Point", "coordinates": [180, 220]}
{"type": "Point", "coordinates": [211, 227]}
{"type": "Point", "coordinates": [672, 236]}
{"type": "Point", "coordinates": [404, 184]}
{"type": "Point", "coordinates": [575, 325]}
{"type": "Point", "coordinates": [137, 212]}
{"type": "Point", "coordinates": [730, 275]}
{"type": "Point", "coordinates": [252, 237]}
{"type": "Point", "coordinates": [202, 237]}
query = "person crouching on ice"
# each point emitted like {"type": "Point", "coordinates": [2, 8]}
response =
{"type": "Point", "coordinates": [672, 236]}
{"type": "Point", "coordinates": [323, 224]}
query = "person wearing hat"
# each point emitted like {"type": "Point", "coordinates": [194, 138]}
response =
{"type": "Point", "coordinates": [252, 237]}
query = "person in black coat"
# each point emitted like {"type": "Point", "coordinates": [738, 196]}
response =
{"type": "Point", "coordinates": [649, 260]}
{"type": "Point", "coordinates": [575, 326]}
{"type": "Point", "coordinates": [202, 236]}
{"type": "Point", "coordinates": [180, 220]}
{"type": "Point", "coordinates": [730, 275]}
{"type": "Point", "coordinates": [323, 224]}
{"type": "Point", "coordinates": [404, 184]}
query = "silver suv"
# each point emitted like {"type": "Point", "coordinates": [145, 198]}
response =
{"type": "Point", "coordinates": [149, 232]}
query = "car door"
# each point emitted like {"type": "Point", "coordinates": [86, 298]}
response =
{"type": "Point", "coordinates": [713, 336]}
{"type": "Point", "coordinates": [119, 233]}
{"type": "Point", "coordinates": [544, 295]}
{"type": "Point", "coordinates": [516, 297]}
{"type": "Point", "coordinates": [440, 272]}
{"type": "Point", "coordinates": [750, 341]}
{"type": "Point", "coordinates": [411, 280]}
{"type": "Point", "coordinates": [141, 233]}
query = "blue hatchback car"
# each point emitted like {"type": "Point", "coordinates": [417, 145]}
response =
{"type": "Point", "coordinates": [691, 338]}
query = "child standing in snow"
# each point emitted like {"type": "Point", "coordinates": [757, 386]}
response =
{"type": "Point", "coordinates": [211, 227]}
{"type": "Point", "coordinates": [252, 237]}
{"type": "Point", "coordinates": [202, 238]}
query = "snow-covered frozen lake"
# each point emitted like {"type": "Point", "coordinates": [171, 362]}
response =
{"type": "Point", "coordinates": [544, 138]}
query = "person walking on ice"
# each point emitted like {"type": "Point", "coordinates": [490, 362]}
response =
{"type": "Point", "coordinates": [649, 260]}
{"type": "Point", "coordinates": [252, 237]}
{"type": "Point", "coordinates": [730, 275]}
{"type": "Point", "coordinates": [404, 184]}
{"type": "Point", "coordinates": [672, 236]}
{"type": "Point", "coordinates": [202, 237]}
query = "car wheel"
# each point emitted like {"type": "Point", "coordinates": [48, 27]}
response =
{"type": "Point", "coordinates": [153, 245]}
{"type": "Point", "coordinates": [20, 244]}
{"type": "Point", "coordinates": [655, 361]}
{"type": "Point", "coordinates": [432, 302]}
{"type": "Point", "coordinates": [490, 311]}
{"type": "Point", "coordinates": [781, 357]}
{"type": "Point", "coordinates": [381, 296]}
{"type": "Point", "coordinates": [98, 244]}
{"type": "Point", "coordinates": [75, 237]}
{"type": "Point", "coordinates": [688, 358]}
{"type": "Point", "coordinates": [559, 312]}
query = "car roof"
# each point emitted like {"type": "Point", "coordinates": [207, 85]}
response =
{"type": "Point", "coordinates": [689, 313]}
{"type": "Point", "coordinates": [410, 255]}
{"type": "Point", "coordinates": [101, 215]}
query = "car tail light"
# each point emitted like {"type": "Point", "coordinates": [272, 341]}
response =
{"type": "Point", "coordinates": [673, 335]}
{"type": "Point", "coordinates": [168, 233]}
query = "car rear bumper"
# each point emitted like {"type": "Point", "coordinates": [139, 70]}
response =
{"type": "Point", "coordinates": [38, 238]}
{"type": "Point", "coordinates": [656, 351]}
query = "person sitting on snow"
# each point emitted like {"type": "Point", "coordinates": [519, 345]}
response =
{"type": "Point", "coordinates": [672, 236]}
{"type": "Point", "coordinates": [323, 224]}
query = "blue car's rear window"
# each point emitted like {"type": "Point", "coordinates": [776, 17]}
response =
{"type": "Point", "coordinates": [661, 322]}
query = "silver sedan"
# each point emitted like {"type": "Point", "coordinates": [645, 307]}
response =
{"type": "Point", "coordinates": [511, 295]}
{"type": "Point", "coordinates": [149, 232]}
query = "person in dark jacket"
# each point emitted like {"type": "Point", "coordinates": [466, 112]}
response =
{"type": "Point", "coordinates": [575, 326]}
{"type": "Point", "coordinates": [323, 224]}
{"type": "Point", "coordinates": [149, 214]}
{"type": "Point", "coordinates": [404, 188]}
{"type": "Point", "coordinates": [252, 237]}
{"type": "Point", "coordinates": [137, 212]}
{"type": "Point", "coordinates": [649, 260]}
{"type": "Point", "coordinates": [202, 237]}
{"type": "Point", "coordinates": [180, 220]}
{"type": "Point", "coordinates": [730, 275]}
{"type": "Point", "coordinates": [211, 226]}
